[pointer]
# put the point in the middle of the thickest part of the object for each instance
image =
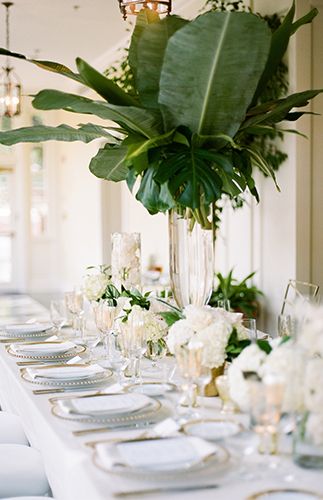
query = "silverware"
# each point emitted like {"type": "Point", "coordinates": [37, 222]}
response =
{"type": "Point", "coordinates": [33, 363]}
{"type": "Point", "coordinates": [112, 428]}
{"type": "Point", "coordinates": [60, 390]}
{"type": "Point", "coordinates": [11, 340]}
{"type": "Point", "coordinates": [167, 489]}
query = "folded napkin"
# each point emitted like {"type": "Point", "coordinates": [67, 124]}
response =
{"type": "Point", "coordinates": [156, 454]}
{"type": "Point", "coordinates": [43, 348]}
{"type": "Point", "coordinates": [24, 328]}
{"type": "Point", "coordinates": [67, 372]}
{"type": "Point", "coordinates": [114, 404]}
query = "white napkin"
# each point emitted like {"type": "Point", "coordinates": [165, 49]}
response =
{"type": "Point", "coordinates": [67, 372]}
{"type": "Point", "coordinates": [44, 348]}
{"type": "Point", "coordinates": [156, 454]}
{"type": "Point", "coordinates": [24, 329]}
{"type": "Point", "coordinates": [105, 405]}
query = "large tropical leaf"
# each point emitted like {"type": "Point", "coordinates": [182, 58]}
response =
{"type": "Point", "coordinates": [138, 145]}
{"type": "Point", "coordinates": [211, 70]}
{"type": "Point", "coordinates": [280, 109]}
{"type": "Point", "coordinates": [145, 122]}
{"type": "Point", "coordinates": [103, 86]}
{"type": "Point", "coordinates": [145, 17]}
{"type": "Point", "coordinates": [279, 44]}
{"type": "Point", "coordinates": [41, 133]}
{"type": "Point", "coordinates": [110, 163]}
{"type": "Point", "coordinates": [47, 65]}
{"type": "Point", "coordinates": [154, 197]}
{"type": "Point", "coordinates": [151, 50]}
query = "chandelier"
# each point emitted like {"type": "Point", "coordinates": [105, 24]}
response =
{"type": "Point", "coordinates": [133, 7]}
{"type": "Point", "coordinates": [10, 88]}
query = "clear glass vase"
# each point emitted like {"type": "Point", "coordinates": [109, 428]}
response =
{"type": "Point", "coordinates": [308, 440]}
{"type": "Point", "coordinates": [191, 256]}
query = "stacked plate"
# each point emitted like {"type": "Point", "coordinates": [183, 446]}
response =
{"type": "Point", "coordinates": [47, 351]}
{"type": "Point", "coordinates": [158, 456]}
{"type": "Point", "coordinates": [26, 331]}
{"type": "Point", "coordinates": [112, 408]}
{"type": "Point", "coordinates": [78, 376]}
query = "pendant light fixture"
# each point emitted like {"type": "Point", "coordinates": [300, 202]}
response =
{"type": "Point", "coordinates": [10, 88]}
{"type": "Point", "coordinates": [133, 7]}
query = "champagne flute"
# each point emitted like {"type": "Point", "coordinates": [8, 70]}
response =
{"type": "Point", "coordinates": [58, 314]}
{"type": "Point", "coordinates": [75, 304]}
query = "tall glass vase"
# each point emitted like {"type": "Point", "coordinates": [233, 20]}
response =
{"type": "Point", "coordinates": [191, 256]}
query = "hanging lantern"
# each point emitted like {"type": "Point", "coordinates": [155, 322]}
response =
{"type": "Point", "coordinates": [10, 88]}
{"type": "Point", "coordinates": [133, 7]}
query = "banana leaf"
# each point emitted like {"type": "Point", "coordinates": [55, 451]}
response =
{"type": "Point", "coordinates": [40, 133]}
{"type": "Point", "coordinates": [103, 86]}
{"type": "Point", "coordinates": [211, 70]}
{"type": "Point", "coordinates": [110, 163]}
{"type": "Point", "coordinates": [151, 49]}
{"type": "Point", "coordinates": [145, 122]}
{"type": "Point", "coordinates": [154, 197]}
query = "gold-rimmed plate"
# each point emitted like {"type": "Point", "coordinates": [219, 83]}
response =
{"type": "Point", "coordinates": [285, 494]}
{"type": "Point", "coordinates": [110, 458]}
{"type": "Point", "coordinates": [213, 429]}
{"type": "Point", "coordinates": [92, 380]}
{"type": "Point", "coordinates": [144, 413]}
{"type": "Point", "coordinates": [152, 389]}
{"type": "Point", "coordinates": [76, 350]}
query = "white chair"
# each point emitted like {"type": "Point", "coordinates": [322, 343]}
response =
{"type": "Point", "coordinates": [11, 430]}
{"type": "Point", "coordinates": [21, 472]}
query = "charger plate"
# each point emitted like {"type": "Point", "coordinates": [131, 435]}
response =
{"type": "Point", "coordinates": [91, 381]}
{"type": "Point", "coordinates": [217, 459]}
{"type": "Point", "coordinates": [285, 494]}
{"type": "Point", "coordinates": [75, 351]}
{"type": "Point", "coordinates": [138, 416]}
{"type": "Point", "coordinates": [212, 429]}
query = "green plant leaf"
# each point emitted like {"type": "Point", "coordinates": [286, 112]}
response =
{"type": "Point", "coordinates": [41, 133]}
{"type": "Point", "coordinates": [145, 17]}
{"type": "Point", "coordinates": [307, 19]}
{"type": "Point", "coordinates": [278, 111]}
{"type": "Point", "coordinates": [154, 197]}
{"type": "Point", "coordinates": [142, 121]}
{"type": "Point", "coordinates": [142, 145]}
{"type": "Point", "coordinates": [110, 163]}
{"type": "Point", "coordinates": [47, 65]}
{"type": "Point", "coordinates": [151, 49]}
{"type": "Point", "coordinates": [171, 317]}
{"type": "Point", "coordinates": [198, 86]}
{"type": "Point", "coordinates": [103, 86]}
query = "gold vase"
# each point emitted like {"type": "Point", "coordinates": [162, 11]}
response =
{"type": "Point", "coordinates": [210, 388]}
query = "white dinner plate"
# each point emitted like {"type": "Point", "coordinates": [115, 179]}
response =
{"type": "Point", "coordinates": [105, 404]}
{"type": "Point", "coordinates": [285, 494]}
{"type": "Point", "coordinates": [59, 376]}
{"type": "Point", "coordinates": [48, 350]}
{"type": "Point", "coordinates": [163, 457]}
{"type": "Point", "coordinates": [62, 409]}
{"type": "Point", "coordinates": [212, 429]}
{"type": "Point", "coordinates": [23, 329]}
{"type": "Point", "coordinates": [153, 389]}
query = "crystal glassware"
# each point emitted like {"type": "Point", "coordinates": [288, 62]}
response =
{"type": "Point", "coordinates": [156, 349]}
{"type": "Point", "coordinates": [189, 362]}
{"type": "Point", "coordinates": [224, 304]}
{"type": "Point", "coordinates": [58, 314]}
{"type": "Point", "coordinates": [75, 304]}
{"type": "Point", "coordinates": [250, 327]}
{"type": "Point", "coordinates": [284, 325]}
{"type": "Point", "coordinates": [223, 387]}
{"type": "Point", "coordinates": [105, 316]}
{"type": "Point", "coordinates": [91, 336]}
{"type": "Point", "coordinates": [133, 339]}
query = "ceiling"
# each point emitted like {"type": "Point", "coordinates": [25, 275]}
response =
{"type": "Point", "coordinates": [61, 30]}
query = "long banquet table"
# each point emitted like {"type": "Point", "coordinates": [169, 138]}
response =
{"type": "Point", "coordinates": [68, 460]}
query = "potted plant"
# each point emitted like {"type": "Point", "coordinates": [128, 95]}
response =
{"type": "Point", "coordinates": [181, 137]}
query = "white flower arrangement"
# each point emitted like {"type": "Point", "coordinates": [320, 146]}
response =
{"type": "Point", "coordinates": [125, 260]}
{"type": "Point", "coordinates": [212, 327]}
{"type": "Point", "coordinates": [94, 285]}
{"type": "Point", "coordinates": [153, 325]}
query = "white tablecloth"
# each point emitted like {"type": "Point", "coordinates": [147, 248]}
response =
{"type": "Point", "coordinates": [73, 476]}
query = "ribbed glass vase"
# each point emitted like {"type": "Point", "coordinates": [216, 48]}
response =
{"type": "Point", "coordinates": [191, 256]}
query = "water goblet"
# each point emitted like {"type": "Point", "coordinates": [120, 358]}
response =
{"type": "Point", "coordinates": [156, 349]}
{"type": "Point", "coordinates": [90, 336]}
{"type": "Point", "coordinates": [58, 314]}
{"type": "Point", "coordinates": [105, 316]}
{"type": "Point", "coordinates": [75, 304]}
{"type": "Point", "coordinates": [189, 361]}
{"type": "Point", "coordinates": [250, 328]}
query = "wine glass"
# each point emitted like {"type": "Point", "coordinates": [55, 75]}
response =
{"type": "Point", "coordinates": [91, 336]}
{"type": "Point", "coordinates": [156, 349]}
{"type": "Point", "coordinates": [250, 327]}
{"type": "Point", "coordinates": [134, 342]}
{"type": "Point", "coordinates": [75, 304]}
{"type": "Point", "coordinates": [105, 316]}
{"type": "Point", "coordinates": [202, 379]}
{"type": "Point", "coordinates": [119, 359]}
{"type": "Point", "coordinates": [58, 314]}
{"type": "Point", "coordinates": [189, 361]}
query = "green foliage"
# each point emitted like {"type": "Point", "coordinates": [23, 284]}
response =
{"type": "Point", "coordinates": [236, 346]}
{"type": "Point", "coordinates": [243, 297]}
{"type": "Point", "coordinates": [171, 317]}
{"type": "Point", "coordinates": [185, 132]}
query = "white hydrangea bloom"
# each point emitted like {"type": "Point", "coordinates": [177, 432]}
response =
{"type": "Point", "coordinates": [313, 385]}
{"type": "Point", "coordinates": [125, 259]}
{"type": "Point", "coordinates": [180, 333]}
{"type": "Point", "coordinates": [95, 285]}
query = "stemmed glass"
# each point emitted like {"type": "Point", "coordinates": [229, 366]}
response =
{"type": "Point", "coordinates": [105, 315]}
{"type": "Point", "coordinates": [133, 339]}
{"type": "Point", "coordinates": [189, 362]}
{"type": "Point", "coordinates": [75, 304]}
{"type": "Point", "coordinates": [250, 327]}
{"type": "Point", "coordinates": [58, 314]}
{"type": "Point", "coordinates": [156, 349]}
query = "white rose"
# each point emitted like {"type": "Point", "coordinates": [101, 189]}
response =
{"type": "Point", "coordinates": [95, 286]}
{"type": "Point", "coordinates": [313, 385]}
{"type": "Point", "coordinates": [179, 333]}
{"type": "Point", "coordinates": [199, 317]}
